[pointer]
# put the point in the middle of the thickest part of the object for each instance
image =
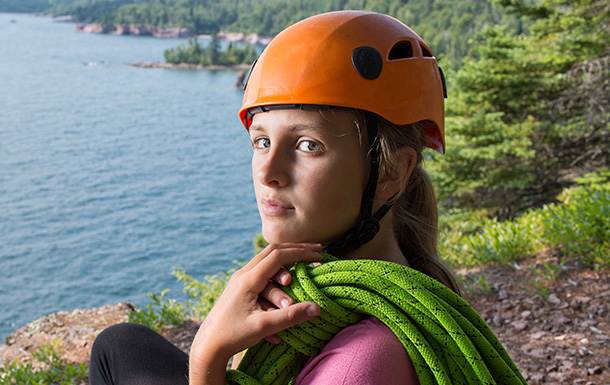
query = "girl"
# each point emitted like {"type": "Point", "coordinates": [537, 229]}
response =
{"type": "Point", "coordinates": [339, 108]}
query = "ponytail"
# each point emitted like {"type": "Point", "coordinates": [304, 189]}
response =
{"type": "Point", "coordinates": [415, 212]}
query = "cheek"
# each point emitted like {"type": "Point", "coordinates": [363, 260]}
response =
{"type": "Point", "coordinates": [340, 188]}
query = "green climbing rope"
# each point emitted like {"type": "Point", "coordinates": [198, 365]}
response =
{"type": "Point", "coordinates": [447, 341]}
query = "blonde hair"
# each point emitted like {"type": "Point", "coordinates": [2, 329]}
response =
{"type": "Point", "coordinates": [415, 212]}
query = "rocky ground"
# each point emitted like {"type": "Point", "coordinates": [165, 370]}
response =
{"type": "Point", "coordinates": [557, 331]}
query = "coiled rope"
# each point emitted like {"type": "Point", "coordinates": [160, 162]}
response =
{"type": "Point", "coordinates": [447, 341]}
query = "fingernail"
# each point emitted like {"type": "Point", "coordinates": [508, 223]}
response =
{"type": "Point", "coordinates": [284, 303]}
{"type": "Point", "coordinates": [313, 311]}
{"type": "Point", "coordinates": [285, 277]}
{"type": "Point", "coordinates": [275, 339]}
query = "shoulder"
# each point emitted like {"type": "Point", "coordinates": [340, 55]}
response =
{"type": "Point", "coordinates": [364, 353]}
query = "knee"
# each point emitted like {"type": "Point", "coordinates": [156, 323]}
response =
{"type": "Point", "coordinates": [112, 339]}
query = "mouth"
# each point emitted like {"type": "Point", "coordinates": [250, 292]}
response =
{"type": "Point", "coordinates": [272, 207]}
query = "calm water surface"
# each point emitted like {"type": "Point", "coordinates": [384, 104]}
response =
{"type": "Point", "coordinates": [112, 175]}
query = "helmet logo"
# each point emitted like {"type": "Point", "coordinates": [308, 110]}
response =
{"type": "Point", "coordinates": [367, 61]}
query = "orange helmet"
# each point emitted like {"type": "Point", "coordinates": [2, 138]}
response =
{"type": "Point", "coordinates": [354, 59]}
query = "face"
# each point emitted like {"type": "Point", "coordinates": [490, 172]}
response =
{"type": "Point", "coordinates": [309, 171]}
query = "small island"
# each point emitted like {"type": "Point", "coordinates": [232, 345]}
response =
{"type": "Point", "coordinates": [195, 56]}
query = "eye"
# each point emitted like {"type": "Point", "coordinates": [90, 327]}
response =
{"type": "Point", "coordinates": [261, 143]}
{"type": "Point", "coordinates": [309, 146]}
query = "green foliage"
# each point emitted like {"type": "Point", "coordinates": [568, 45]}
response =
{"type": "Point", "coordinates": [545, 273]}
{"type": "Point", "coordinates": [53, 369]}
{"type": "Point", "coordinates": [529, 111]}
{"type": "Point", "coordinates": [196, 53]}
{"type": "Point", "coordinates": [549, 271]}
{"type": "Point", "coordinates": [495, 242]}
{"type": "Point", "coordinates": [476, 283]}
{"type": "Point", "coordinates": [578, 226]}
{"type": "Point", "coordinates": [202, 294]}
{"type": "Point", "coordinates": [24, 6]}
{"type": "Point", "coordinates": [160, 313]}
{"type": "Point", "coordinates": [259, 243]}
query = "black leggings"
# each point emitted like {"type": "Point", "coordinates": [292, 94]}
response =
{"type": "Point", "coordinates": [136, 355]}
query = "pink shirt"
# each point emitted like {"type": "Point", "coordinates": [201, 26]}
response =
{"type": "Point", "coordinates": [365, 353]}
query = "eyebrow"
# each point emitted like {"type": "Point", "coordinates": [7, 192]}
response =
{"type": "Point", "coordinates": [292, 127]}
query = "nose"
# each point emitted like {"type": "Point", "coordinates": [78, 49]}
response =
{"type": "Point", "coordinates": [271, 168]}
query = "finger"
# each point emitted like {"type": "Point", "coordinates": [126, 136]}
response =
{"type": "Point", "coordinates": [317, 247]}
{"type": "Point", "coordinates": [286, 258]}
{"type": "Point", "coordinates": [310, 246]}
{"type": "Point", "coordinates": [282, 277]}
{"type": "Point", "coordinates": [266, 305]}
{"type": "Point", "coordinates": [272, 322]}
{"type": "Point", "coordinates": [274, 339]}
{"type": "Point", "coordinates": [275, 295]}
{"type": "Point", "coordinates": [258, 257]}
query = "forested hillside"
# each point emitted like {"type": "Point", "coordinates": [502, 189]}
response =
{"type": "Point", "coordinates": [528, 112]}
{"type": "Point", "coordinates": [446, 25]}
{"type": "Point", "coordinates": [29, 5]}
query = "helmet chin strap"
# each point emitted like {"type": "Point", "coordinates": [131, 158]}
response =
{"type": "Point", "coordinates": [369, 224]}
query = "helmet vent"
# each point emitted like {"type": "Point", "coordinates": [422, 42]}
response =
{"type": "Point", "coordinates": [401, 50]}
{"type": "Point", "coordinates": [368, 62]}
{"type": "Point", "coordinates": [425, 52]}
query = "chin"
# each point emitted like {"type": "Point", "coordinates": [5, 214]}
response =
{"type": "Point", "coordinates": [279, 236]}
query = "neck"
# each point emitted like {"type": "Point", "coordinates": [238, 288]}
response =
{"type": "Point", "coordinates": [383, 247]}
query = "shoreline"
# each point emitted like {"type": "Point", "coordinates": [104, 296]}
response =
{"type": "Point", "coordinates": [186, 66]}
{"type": "Point", "coordinates": [173, 32]}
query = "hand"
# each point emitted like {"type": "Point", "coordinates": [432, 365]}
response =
{"type": "Point", "coordinates": [245, 312]}
{"type": "Point", "coordinates": [274, 297]}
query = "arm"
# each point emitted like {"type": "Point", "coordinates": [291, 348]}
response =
{"type": "Point", "coordinates": [243, 316]}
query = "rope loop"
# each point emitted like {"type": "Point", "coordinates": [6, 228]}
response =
{"type": "Point", "coordinates": [447, 341]}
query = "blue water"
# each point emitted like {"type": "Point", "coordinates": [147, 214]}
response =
{"type": "Point", "coordinates": [112, 175]}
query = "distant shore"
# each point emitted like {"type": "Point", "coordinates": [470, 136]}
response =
{"type": "Point", "coordinates": [139, 30]}
{"type": "Point", "coordinates": [185, 66]}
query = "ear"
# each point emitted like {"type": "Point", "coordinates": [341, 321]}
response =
{"type": "Point", "coordinates": [398, 175]}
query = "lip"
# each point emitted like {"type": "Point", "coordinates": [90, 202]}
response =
{"type": "Point", "coordinates": [273, 207]}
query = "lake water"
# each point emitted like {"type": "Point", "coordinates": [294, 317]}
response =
{"type": "Point", "coordinates": [110, 175]}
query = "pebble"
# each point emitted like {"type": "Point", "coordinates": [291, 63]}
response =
{"type": "Point", "coordinates": [589, 322]}
{"type": "Point", "coordinates": [566, 365]}
{"type": "Point", "coordinates": [553, 299]}
{"type": "Point", "coordinates": [519, 325]}
{"type": "Point", "coordinates": [498, 321]}
{"type": "Point", "coordinates": [595, 370]}
{"type": "Point", "coordinates": [538, 335]}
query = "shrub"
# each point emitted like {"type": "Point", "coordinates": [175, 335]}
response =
{"type": "Point", "coordinates": [578, 225]}
{"type": "Point", "coordinates": [160, 313]}
{"type": "Point", "coordinates": [53, 369]}
{"type": "Point", "coordinates": [203, 294]}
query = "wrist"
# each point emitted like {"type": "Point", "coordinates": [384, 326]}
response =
{"type": "Point", "coordinates": [207, 369]}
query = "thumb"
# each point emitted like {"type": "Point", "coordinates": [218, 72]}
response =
{"type": "Point", "coordinates": [282, 319]}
